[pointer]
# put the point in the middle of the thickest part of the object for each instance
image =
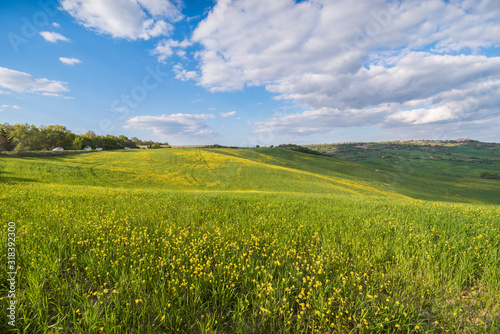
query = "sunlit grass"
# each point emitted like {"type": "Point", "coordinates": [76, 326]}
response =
{"type": "Point", "coordinates": [231, 245]}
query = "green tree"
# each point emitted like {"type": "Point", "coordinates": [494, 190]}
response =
{"type": "Point", "coordinates": [80, 142]}
{"type": "Point", "coordinates": [6, 143]}
{"type": "Point", "coordinates": [123, 142]}
{"type": "Point", "coordinates": [26, 137]}
{"type": "Point", "coordinates": [56, 136]}
{"type": "Point", "coordinates": [110, 142]}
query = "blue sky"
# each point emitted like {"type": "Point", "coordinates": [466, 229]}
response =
{"type": "Point", "coordinates": [248, 72]}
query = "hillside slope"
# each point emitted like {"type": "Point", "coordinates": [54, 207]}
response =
{"type": "Point", "coordinates": [432, 170]}
{"type": "Point", "coordinates": [265, 170]}
{"type": "Point", "coordinates": [191, 169]}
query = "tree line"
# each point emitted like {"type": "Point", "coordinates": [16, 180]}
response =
{"type": "Point", "coordinates": [25, 137]}
{"type": "Point", "coordinates": [299, 148]}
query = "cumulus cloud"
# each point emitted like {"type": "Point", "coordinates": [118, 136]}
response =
{"type": "Point", "coordinates": [21, 82]}
{"type": "Point", "coordinates": [228, 114]}
{"type": "Point", "coordinates": [165, 48]}
{"type": "Point", "coordinates": [179, 126]}
{"type": "Point", "coordinates": [69, 61]}
{"type": "Point", "coordinates": [129, 19]}
{"type": "Point", "coordinates": [384, 63]}
{"type": "Point", "coordinates": [53, 37]}
{"type": "Point", "coordinates": [318, 121]}
{"type": "Point", "coordinates": [408, 93]}
{"type": "Point", "coordinates": [409, 80]}
{"type": "Point", "coordinates": [182, 74]}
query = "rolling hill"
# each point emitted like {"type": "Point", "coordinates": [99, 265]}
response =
{"type": "Point", "coordinates": [248, 240]}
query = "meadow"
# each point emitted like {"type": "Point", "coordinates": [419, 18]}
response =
{"type": "Point", "coordinates": [246, 241]}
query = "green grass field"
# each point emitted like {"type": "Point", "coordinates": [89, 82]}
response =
{"type": "Point", "coordinates": [247, 241]}
{"type": "Point", "coordinates": [431, 170]}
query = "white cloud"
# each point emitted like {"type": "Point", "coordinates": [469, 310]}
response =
{"type": "Point", "coordinates": [70, 61]}
{"type": "Point", "coordinates": [129, 19]}
{"type": "Point", "coordinates": [319, 121]}
{"type": "Point", "coordinates": [53, 37]}
{"type": "Point", "coordinates": [163, 8]}
{"type": "Point", "coordinates": [411, 77]}
{"type": "Point", "coordinates": [180, 126]}
{"type": "Point", "coordinates": [52, 94]}
{"type": "Point", "coordinates": [228, 114]}
{"type": "Point", "coordinates": [21, 82]}
{"type": "Point", "coordinates": [165, 49]}
{"type": "Point", "coordinates": [182, 74]}
{"type": "Point", "coordinates": [6, 106]}
{"type": "Point", "coordinates": [408, 93]}
{"type": "Point", "coordinates": [369, 64]}
{"type": "Point", "coordinates": [58, 95]}
{"type": "Point", "coordinates": [56, 25]}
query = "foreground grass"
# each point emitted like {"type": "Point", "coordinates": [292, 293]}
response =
{"type": "Point", "coordinates": [144, 259]}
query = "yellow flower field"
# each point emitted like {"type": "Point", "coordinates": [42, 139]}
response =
{"type": "Point", "coordinates": [223, 241]}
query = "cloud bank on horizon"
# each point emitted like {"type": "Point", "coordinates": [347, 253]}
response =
{"type": "Point", "coordinates": [410, 65]}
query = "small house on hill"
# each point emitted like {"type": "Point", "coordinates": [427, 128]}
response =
{"type": "Point", "coordinates": [143, 146]}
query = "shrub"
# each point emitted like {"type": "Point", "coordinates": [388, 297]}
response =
{"type": "Point", "coordinates": [486, 175]}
